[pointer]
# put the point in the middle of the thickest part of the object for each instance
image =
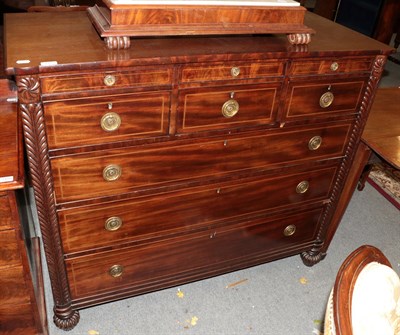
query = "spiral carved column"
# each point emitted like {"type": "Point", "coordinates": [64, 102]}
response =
{"type": "Point", "coordinates": [31, 109]}
{"type": "Point", "coordinates": [316, 253]}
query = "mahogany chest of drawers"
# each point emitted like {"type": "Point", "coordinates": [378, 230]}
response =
{"type": "Point", "coordinates": [22, 308]}
{"type": "Point", "coordinates": [230, 151]}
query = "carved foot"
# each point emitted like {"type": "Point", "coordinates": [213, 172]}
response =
{"type": "Point", "coordinates": [299, 38]}
{"type": "Point", "coordinates": [117, 42]}
{"type": "Point", "coordinates": [66, 318]}
{"type": "Point", "coordinates": [312, 257]}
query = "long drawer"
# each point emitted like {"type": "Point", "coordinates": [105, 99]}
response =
{"type": "Point", "coordinates": [162, 263]}
{"type": "Point", "coordinates": [180, 212]}
{"type": "Point", "coordinates": [80, 122]}
{"type": "Point", "coordinates": [118, 171]}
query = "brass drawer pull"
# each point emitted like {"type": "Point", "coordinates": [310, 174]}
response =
{"type": "Point", "coordinates": [113, 223]}
{"type": "Point", "coordinates": [112, 172]}
{"type": "Point", "coordinates": [235, 71]}
{"type": "Point", "coordinates": [315, 143]}
{"type": "Point", "coordinates": [302, 187]}
{"type": "Point", "coordinates": [231, 107]}
{"type": "Point", "coordinates": [116, 271]}
{"type": "Point", "coordinates": [326, 99]}
{"type": "Point", "coordinates": [289, 230]}
{"type": "Point", "coordinates": [334, 66]}
{"type": "Point", "coordinates": [110, 122]}
{"type": "Point", "coordinates": [109, 80]}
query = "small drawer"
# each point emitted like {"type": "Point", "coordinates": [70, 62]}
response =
{"type": "Point", "coordinates": [214, 250]}
{"type": "Point", "coordinates": [331, 66]}
{"type": "Point", "coordinates": [239, 106]}
{"type": "Point", "coordinates": [5, 212]}
{"type": "Point", "coordinates": [9, 248]}
{"type": "Point", "coordinates": [324, 100]}
{"type": "Point", "coordinates": [134, 220]}
{"type": "Point", "coordinates": [13, 286]}
{"type": "Point", "coordinates": [125, 170]}
{"type": "Point", "coordinates": [106, 119]}
{"type": "Point", "coordinates": [139, 77]}
{"type": "Point", "coordinates": [231, 71]}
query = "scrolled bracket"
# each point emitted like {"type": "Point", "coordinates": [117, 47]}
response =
{"type": "Point", "coordinates": [299, 39]}
{"type": "Point", "coordinates": [117, 42]}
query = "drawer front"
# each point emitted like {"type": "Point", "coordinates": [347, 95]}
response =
{"type": "Point", "coordinates": [9, 251]}
{"type": "Point", "coordinates": [109, 224]}
{"type": "Point", "coordinates": [140, 77]}
{"type": "Point", "coordinates": [120, 171]}
{"type": "Point", "coordinates": [322, 100]}
{"type": "Point", "coordinates": [166, 261]}
{"type": "Point", "coordinates": [331, 66]}
{"type": "Point", "coordinates": [231, 71]}
{"type": "Point", "coordinates": [5, 213]}
{"type": "Point", "coordinates": [17, 320]}
{"type": "Point", "coordinates": [239, 106]}
{"type": "Point", "coordinates": [107, 119]}
{"type": "Point", "coordinates": [9, 139]}
{"type": "Point", "coordinates": [13, 286]}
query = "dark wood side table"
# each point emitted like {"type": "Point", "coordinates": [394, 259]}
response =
{"type": "Point", "coordinates": [382, 131]}
{"type": "Point", "coordinates": [22, 307]}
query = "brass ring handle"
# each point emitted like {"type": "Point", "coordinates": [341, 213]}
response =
{"type": "Point", "coordinates": [314, 143]}
{"type": "Point", "coordinates": [334, 66]}
{"type": "Point", "coordinates": [110, 122]}
{"type": "Point", "coordinates": [116, 271]}
{"type": "Point", "coordinates": [326, 99]}
{"type": "Point", "coordinates": [112, 172]}
{"type": "Point", "coordinates": [289, 230]}
{"type": "Point", "coordinates": [302, 187]}
{"type": "Point", "coordinates": [113, 223]}
{"type": "Point", "coordinates": [235, 71]}
{"type": "Point", "coordinates": [109, 80]}
{"type": "Point", "coordinates": [230, 108]}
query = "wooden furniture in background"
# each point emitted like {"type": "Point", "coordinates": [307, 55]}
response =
{"type": "Point", "coordinates": [22, 308]}
{"type": "Point", "coordinates": [382, 132]}
{"type": "Point", "coordinates": [378, 19]}
{"type": "Point", "coordinates": [326, 8]}
{"type": "Point", "coordinates": [184, 158]}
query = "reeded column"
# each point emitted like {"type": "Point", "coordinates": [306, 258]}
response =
{"type": "Point", "coordinates": [31, 108]}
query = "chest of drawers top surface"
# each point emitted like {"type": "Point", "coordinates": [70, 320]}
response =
{"type": "Point", "coordinates": [61, 41]}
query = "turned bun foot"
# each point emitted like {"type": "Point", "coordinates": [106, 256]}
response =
{"type": "Point", "coordinates": [66, 319]}
{"type": "Point", "coordinates": [312, 257]}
